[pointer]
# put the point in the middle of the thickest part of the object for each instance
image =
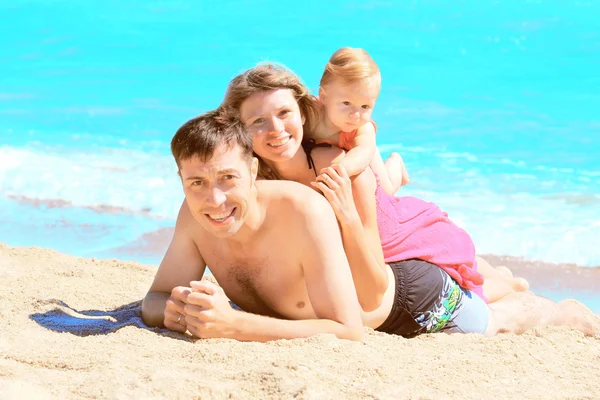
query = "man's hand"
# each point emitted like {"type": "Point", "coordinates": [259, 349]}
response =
{"type": "Point", "coordinates": [175, 315]}
{"type": "Point", "coordinates": [208, 313]}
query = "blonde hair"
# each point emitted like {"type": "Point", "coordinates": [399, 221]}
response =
{"type": "Point", "coordinates": [262, 78]}
{"type": "Point", "coordinates": [351, 65]}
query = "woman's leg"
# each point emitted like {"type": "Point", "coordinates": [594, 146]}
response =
{"type": "Point", "coordinates": [499, 281]}
{"type": "Point", "coordinates": [522, 311]}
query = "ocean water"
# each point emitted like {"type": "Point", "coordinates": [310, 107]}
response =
{"type": "Point", "coordinates": [494, 106]}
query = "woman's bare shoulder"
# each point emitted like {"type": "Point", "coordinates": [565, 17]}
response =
{"type": "Point", "coordinates": [325, 156]}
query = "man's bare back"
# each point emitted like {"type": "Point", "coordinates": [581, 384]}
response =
{"type": "Point", "coordinates": [265, 275]}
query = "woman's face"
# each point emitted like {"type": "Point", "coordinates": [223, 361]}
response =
{"type": "Point", "coordinates": [274, 119]}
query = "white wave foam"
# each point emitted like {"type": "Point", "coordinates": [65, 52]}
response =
{"type": "Point", "coordinates": [127, 179]}
{"type": "Point", "coordinates": [549, 229]}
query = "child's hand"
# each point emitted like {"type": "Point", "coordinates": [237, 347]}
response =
{"type": "Point", "coordinates": [336, 186]}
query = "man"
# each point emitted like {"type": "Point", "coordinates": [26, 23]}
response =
{"type": "Point", "coordinates": [273, 246]}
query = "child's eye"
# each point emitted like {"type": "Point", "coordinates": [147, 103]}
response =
{"type": "Point", "coordinates": [346, 103]}
{"type": "Point", "coordinates": [366, 106]}
{"type": "Point", "coordinates": [283, 113]}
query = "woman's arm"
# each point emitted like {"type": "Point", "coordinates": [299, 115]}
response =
{"type": "Point", "coordinates": [354, 206]}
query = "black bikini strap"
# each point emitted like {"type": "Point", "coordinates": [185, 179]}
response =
{"type": "Point", "coordinates": [308, 145]}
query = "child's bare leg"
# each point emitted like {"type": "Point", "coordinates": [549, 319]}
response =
{"type": "Point", "coordinates": [486, 269]}
{"type": "Point", "coordinates": [504, 271]}
{"type": "Point", "coordinates": [500, 273]}
{"type": "Point", "coordinates": [494, 289]}
{"type": "Point", "coordinates": [396, 170]}
{"type": "Point", "coordinates": [379, 168]}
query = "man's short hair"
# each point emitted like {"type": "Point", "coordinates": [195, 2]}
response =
{"type": "Point", "coordinates": [200, 137]}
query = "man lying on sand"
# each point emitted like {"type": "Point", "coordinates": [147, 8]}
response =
{"type": "Point", "coordinates": [275, 249]}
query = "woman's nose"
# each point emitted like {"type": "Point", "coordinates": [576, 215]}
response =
{"type": "Point", "coordinates": [276, 126]}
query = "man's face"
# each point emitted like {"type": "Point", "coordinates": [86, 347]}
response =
{"type": "Point", "coordinates": [219, 191]}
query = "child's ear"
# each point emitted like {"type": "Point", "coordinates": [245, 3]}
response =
{"type": "Point", "coordinates": [321, 93]}
{"type": "Point", "coordinates": [303, 120]}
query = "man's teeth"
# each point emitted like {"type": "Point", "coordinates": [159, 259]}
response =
{"type": "Point", "coordinates": [280, 142]}
{"type": "Point", "coordinates": [220, 217]}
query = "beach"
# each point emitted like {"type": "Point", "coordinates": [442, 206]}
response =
{"type": "Point", "coordinates": [72, 330]}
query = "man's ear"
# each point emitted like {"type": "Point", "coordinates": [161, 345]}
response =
{"type": "Point", "coordinates": [254, 169]}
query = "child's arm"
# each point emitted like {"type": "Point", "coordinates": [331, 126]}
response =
{"type": "Point", "coordinates": [360, 156]}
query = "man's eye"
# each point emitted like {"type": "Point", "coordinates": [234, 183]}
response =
{"type": "Point", "coordinates": [197, 183]}
{"type": "Point", "coordinates": [228, 177]}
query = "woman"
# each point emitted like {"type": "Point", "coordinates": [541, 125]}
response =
{"type": "Point", "coordinates": [406, 297]}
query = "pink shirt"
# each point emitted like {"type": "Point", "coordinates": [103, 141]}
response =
{"type": "Point", "coordinates": [413, 228]}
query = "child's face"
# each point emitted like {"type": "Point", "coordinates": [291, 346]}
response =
{"type": "Point", "coordinates": [349, 106]}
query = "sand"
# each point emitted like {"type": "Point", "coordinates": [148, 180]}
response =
{"type": "Point", "coordinates": [44, 292]}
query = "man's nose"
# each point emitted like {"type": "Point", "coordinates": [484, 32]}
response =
{"type": "Point", "coordinates": [215, 197]}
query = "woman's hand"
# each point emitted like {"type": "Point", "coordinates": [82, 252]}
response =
{"type": "Point", "coordinates": [336, 186]}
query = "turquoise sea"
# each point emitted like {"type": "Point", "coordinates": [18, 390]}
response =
{"type": "Point", "coordinates": [495, 107]}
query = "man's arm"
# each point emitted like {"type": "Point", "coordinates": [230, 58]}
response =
{"type": "Point", "coordinates": [360, 156]}
{"type": "Point", "coordinates": [209, 315]}
{"type": "Point", "coordinates": [181, 264]}
{"type": "Point", "coordinates": [326, 270]}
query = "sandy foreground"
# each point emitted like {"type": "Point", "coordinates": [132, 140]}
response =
{"type": "Point", "coordinates": [72, 330]}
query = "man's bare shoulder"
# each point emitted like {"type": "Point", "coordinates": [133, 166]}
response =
{"type": "Point", "coordinates": [293, 198]}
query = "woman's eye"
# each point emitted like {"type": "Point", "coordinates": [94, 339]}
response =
{"type": "Point", "coordinates": [258, 121]}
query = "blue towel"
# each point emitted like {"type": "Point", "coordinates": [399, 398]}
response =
{"type": "Point", "coordinates": [63, 318]}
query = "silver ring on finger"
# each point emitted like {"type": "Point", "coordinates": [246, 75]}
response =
{"type": "Point", "coordinates": [179, 318]}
